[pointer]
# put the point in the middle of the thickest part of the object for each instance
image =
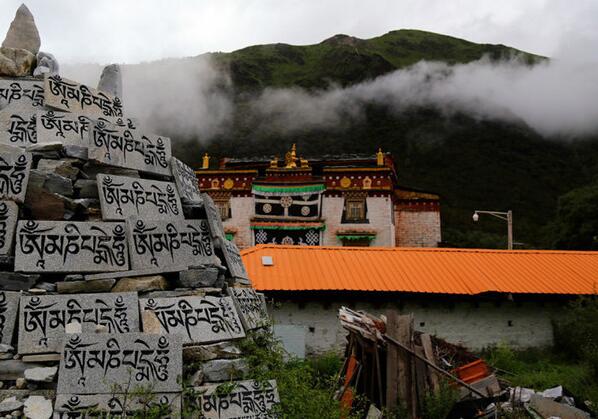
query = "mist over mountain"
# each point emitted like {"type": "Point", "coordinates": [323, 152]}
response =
{"type": "Point", "coordinates": [485, 126]}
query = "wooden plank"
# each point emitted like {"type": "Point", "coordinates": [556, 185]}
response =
{"type": "Point", "coordinates": [420, 377]}
{"type": "Point", "coordinates": [392, 360]}
{"type": "Point", "coordinates": [429, 355]}
{"type": "Point", "coordinates": [405, 366]}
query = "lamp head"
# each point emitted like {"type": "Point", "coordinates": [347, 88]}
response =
{"type": "Point", "coordinates": [476, 217]}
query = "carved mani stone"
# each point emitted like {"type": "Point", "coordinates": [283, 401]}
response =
{"type": "Point", "coordinates": [9, 302]}
{"type": "Point", "coordinates": [116, 405]}
{"type": "Point", "coordinates": [14, 175]}
{"type": "Point", "coordinates": [250, 306]}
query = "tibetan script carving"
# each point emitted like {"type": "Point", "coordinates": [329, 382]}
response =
{"type": "Point", "coordinates": [63, 246]}
{"type": "Point", "coordinates": [101, 363]}
{"type": "Point", "coordinates": [66, 95]}
{"type": "Point", "coordinates": [250, 307]}
{"type": "Point", "coordinates": [120, 146]}
{"type": "Point", "coordinates": [87, 406]}
{"type": "Point", "coordinates": [196, 319]}
{"type": "Point", "coordinates": [9, 302]}
{"type": "Point", "coordinates": [166, 244]}
{"type": "Point", "coordinates": [17, 128]}
{"type": "Point", "coordinates": [21, 95]}
{"type": "Point", "coordinates": [186, 181]}
{"type": "Point", "coordinates": [42, 319]}
{"type": "Point", "coordinates": [14, 175]}
{"type": "Point", "coordinates": [122, 197]}
{"type": "Point", "coordinates": [233, 260]}
{"type": "Point", "coordinates": [213, 215]}
{"type": "Point", "coordinates": [249, 399]}
{"type": "Point", "coordinates": [9, 212]}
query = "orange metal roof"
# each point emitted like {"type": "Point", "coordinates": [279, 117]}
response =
{"type": "Point", "coordinates": [422, 270]}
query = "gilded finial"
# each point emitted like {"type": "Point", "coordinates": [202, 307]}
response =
{"type": "Point", "coordinates": [304, 163]}
{"type": "Point", "coordinates": [380, 157]}
{"type": "Point", "coordinates": [205, 164]}
{"type": "Point", "coordinates": [274, 163]}
{"type": "Point", "coordinates": [290, 158]}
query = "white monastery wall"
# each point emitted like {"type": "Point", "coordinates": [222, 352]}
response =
{"type": "Point", "coordinates": [242, 210]}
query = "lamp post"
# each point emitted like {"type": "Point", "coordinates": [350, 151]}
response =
{"type": "Point", "coordinates": [506, 216]}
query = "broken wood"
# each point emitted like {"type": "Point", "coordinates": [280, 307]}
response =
{"type": "Point", "coordinates": [405, 365]}
{"type": "Point", "coordinates": [392, 361]}
{"type": "Point", "coordinates": [429, 354]}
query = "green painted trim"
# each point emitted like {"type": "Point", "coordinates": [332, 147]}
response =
{"type": "Point", "coordinates": [370, 237]}
{"type": "Point", "coordinates": [288, 189]}
{"type": "Point", "coordinates": [283, 227]}
{"type": "Point", "coordinates": [229, 236]}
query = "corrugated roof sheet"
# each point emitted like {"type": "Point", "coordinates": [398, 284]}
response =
{"type": "Point", "coordinates": [422, 270]}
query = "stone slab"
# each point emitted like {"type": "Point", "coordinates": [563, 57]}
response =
{"type": "Point", "coordinates": [9, 212]}
{"type": "Point", "coordinates": [250, 306]}
{"type": "Point", "coordinates": [18, 128]}
{"type": "Point", "coordinates": [234, 263]}
{"type": "Point", "coordinates": [76, 287]}
{"type": "Point", "coordinates": [131, 274]}
{"type": "Point", "coordinates": [213, 216]}
{"type": "Point", "coordinates": [123, 197]}
{"type": "Point", "coordinates": [70, 96]}
{"type": "Point", "coordinates": [21, 95]}
{"type": "Point", "coordinates": [116, 362]}
{"type": "Point", "coordinates": [123, 147]}
{"type": "Point", "coordinates": [43, 318]}
{"type": "Point", "coordinates": [186, 182]}
{"type": "Point", "coordinates": [63, 246]}
{"type": "Point", "coordinates": [14, 175]}
{"type": "Point", "coordinates": [196, 319]}
{"type": "Point", "coordinates": [70, 406]}
{"type": "Point", "coordinates": [249, 399]}
{"type": "Point", "coordinates": [167, 244]}
{"type": "Point", "coordinates": [9, 303]}
{"type": "Point", "coordinates": [14, 281]}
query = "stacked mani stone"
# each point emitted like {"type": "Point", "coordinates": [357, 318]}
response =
{"type": "Point", "coordinates": [114, 267]}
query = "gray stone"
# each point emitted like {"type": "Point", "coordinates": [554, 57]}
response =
{"type": "Point", "coordinates": [73, 327]}
{"type": "Point", "coordinates": [46, 64]}
{"type": "Point", "coordinates": [45, 205]}
{"type": "Point", "coordinates": [4, 348]}
{"type": "Point", "coordinates": [9, 212]}
{"type": "Point", "coordinates": [62, 127]}
{"type": "Point", "coordinates": [134, 360]}
{"type": "Point", "coordinates": [141, 284]}
{"type": "Point", "coordinates": [38, 407]}
{"type": "Point", "coordinates": [186, 182]}
{"type": "Point", "coordinates": [22, 32]}
{"type": "Point", "coordinates": [122, 197]}
{"type": "Point", "coordinates": [172, 243]}
{"type": "Point", "coordinates": [46, 286]}
{"type": "Point", "coordinates": [76, 151]}
{"type": "Point", "coordinates": [59, 185]}
{"type": "Point", "coordinates": [250, 307]}
{"type": "Point", "coordinates": [234, 263]}
{"type": "Point", "coordinates": [111, 80]}
{"type": "Point", "coordinates": [21, 95]}
{"type": "Point", "coordinates": [18, 128]}
{"type": "Point", "coordinates": [14, 281]}
{"type": "Point", "coordinates": [130, 274]}
{"type": "Point", "coordinates": [66, 167]}
{"type": "Point", "coordinates": [194, 319]}
{"type": "Point", "coordinates": [43, 319]}
{"type": "Point", "coordinates": [77, 287]}
{"type": "Point", "coordinates": [548, 408]}
{"type": "Point", "coordinates": [10, 404]}
{"type": "Point", "coordinates": [16, 62]}
{"type": "Point", "coordinates": [69, 96]}
{"type": "Point", "coordinates": [14, 369]}
{"type": "Point", "coordinates": [92, 169]}
{"type": "Point", "coordinates": [9, 301]}
{"type": "Point", "coordinates": [130, 148]}
{"type": "Point", "coordinates": [116, 405]}
{"type": "Point", "coordinates": [92, 247]}
{"type": "Point", "coordinates": [198, 277]}
{"type": "Point", "coordinates": [14, 170]}
{"type": "Point", "coordinates": [87, 188]}
{"type": "Point", "coordinates": [259, 400]}
{"type": "Point", "coordinates": [202, 353]}
{"type": "Point", "coordinates": [41, 374]}
{"type": "Point", "coordinates": [41, 358]}
{"type": "Point", "coordinates": [21, 383]}
{"type": "Point", "coordinates": [218, 370]}
{"type": "Point", "coordinates": [73, 277]}
{"type": "Point", "coordinates": [22, 394]}
{"type": "Point", "coordinates": [213, 216]}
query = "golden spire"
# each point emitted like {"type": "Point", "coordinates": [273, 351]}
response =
{"type": "Point", "coordinates": [380, 157]}
{"type": "Point", "coordinates": [290, 159]}
{"type": "Point", "coordinates": [205, 164]}
{"type": "Point", "coordinates": [274, 163]}
{"type": "Point", "coordinates": [304, 163]}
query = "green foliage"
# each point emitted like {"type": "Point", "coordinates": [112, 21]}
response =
{"type": "Point", "coordinates": [438, 405]}
{"type": "Point", "coordinates": [576, 224]}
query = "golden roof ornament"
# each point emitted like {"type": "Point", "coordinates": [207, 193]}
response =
{"type": "Point", "coordinates": [290, 158]}
{"type": "Point", "coordinates": [304, 163]}
{"type": "Point", "coordinates": [274, 163]}
{"type": "Point", "coordinates": [205, 164]}
{"type": "Point", "coordinates": [380, 157]}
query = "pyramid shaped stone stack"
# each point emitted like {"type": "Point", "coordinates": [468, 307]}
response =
{"type": "Point", "coordinates": [114, 267]}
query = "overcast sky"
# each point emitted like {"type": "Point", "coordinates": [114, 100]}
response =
{"type": "Point", "coordinates": [126, 31]}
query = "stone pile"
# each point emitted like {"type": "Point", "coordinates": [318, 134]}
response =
{"type": "Point", "coordinates": [114, 267]}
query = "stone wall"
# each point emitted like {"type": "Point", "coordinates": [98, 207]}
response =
{"type": "Point", "coordinates": [417, 226]}
{"type": "Point", "coordinates": [474, 325]}
{"type": "Point", "coordinates": [242, 210]}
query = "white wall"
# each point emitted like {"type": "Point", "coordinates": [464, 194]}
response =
{"type": "Point", "coordinates": [242, 210]}
{"type": "Point", "coordinates": [473, 326]}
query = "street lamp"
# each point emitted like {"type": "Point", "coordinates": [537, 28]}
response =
{"type": "Point", "coordinates": [506, 216]}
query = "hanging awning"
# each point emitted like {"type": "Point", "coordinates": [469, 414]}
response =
{"type": "Point", "coordinates": [286, 189]}
{"type": "Point", "coordinates": [287, 226]}
{"type": "Point", "coordinates": [367, 236]}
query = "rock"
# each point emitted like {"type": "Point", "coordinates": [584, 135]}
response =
{"type": "Point", "coordinates": [46, 64]}
{"type": "Point", "coordinates": [224, 369]}
{"type": "Point", "coordinates": [196, 379]}
{"type": "Point", "coordinates": [10, 404]}
{"type": "Point", "coordinates": [6, 348]}
{"type": "Point", "coordinates": [201, 353]}
{"type": "Point", "coordinates": [76, 287]}
{"type": "Point", "coordinates": [72, 327]}
{"type": "Point", "coordinates": [21, 383]}
{"type": "Point", "coordinates": [45, 205]}
{"type": "Point", "coordinates": [549, 408]}
{"type": "Point", "coordinates": [111, 80]}
{"type": "Point", "coordinates": [41, 375]}
{"type": "Point", "coordinates": [36, 291]}
{"type": "Point", "coordinates": [141, 283]}
{"type": "Point", "coordinates": [75, 151]}
{"type": "Point", "coordinates": [14, 281]}
{"type": "Point", "coordinates": [87, 188]}
{"type": "Point", "coordinates": [41, 358]}
{"type": "Point", "coordinates": [22, 32]}
{"type": "Point", "coordinates": [59, 185]}
{"type": "Point", "coordinates": [47, 286]}
{"type": "Point", "coordinates": [66, 167]}
{"type": "Point", "coordinates": [15, 62]}
{"type": "Point", "coordinates": [91, 170]}
{"type": "Point", "coordinates": [38, 407]}
{"type": "Point", "coordinates": [100, 328]}
{"type": "Point", "coordinates": [198, 278]}
{"type": "Point", "coordinates": [73, 277]}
